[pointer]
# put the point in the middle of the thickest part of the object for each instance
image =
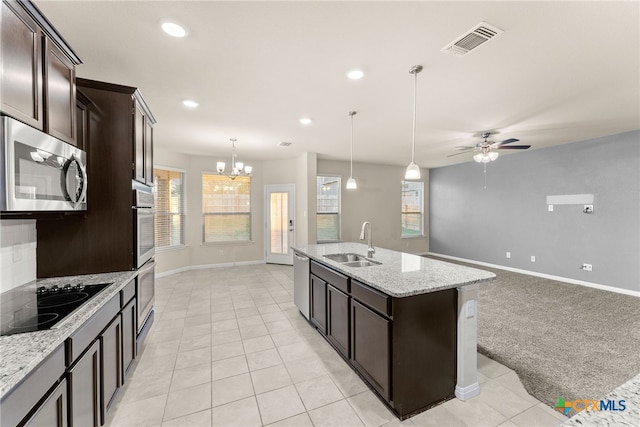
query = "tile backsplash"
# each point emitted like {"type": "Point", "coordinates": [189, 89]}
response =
{"type": "Point", "coordinates": [18, 241]}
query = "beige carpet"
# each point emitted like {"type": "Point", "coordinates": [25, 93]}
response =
{"type": "Point", "coordinates": [563, 340]}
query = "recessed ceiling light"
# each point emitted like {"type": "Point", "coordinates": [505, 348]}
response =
{"type": "Point", "coordinates": [190, 103]}
{"type": "Point", "coordinates": [173, 29]}
{"type": "Point", "coordinates": [305, 121]}
{"type": "Point", "coordinates": [355, 74]}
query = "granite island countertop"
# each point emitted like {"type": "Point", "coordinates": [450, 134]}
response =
{"type": "Point", "coordinates": [400, 274]}
{"type": "Point", "coordinates": [21, 353]}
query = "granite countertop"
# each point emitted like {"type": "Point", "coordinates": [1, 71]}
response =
{"type": "Point", "coordinates": [400, 274]}
{"type": "Point", "coordinates": [22, 353]}
{"type": "Point", "coordinates": [629, 392]}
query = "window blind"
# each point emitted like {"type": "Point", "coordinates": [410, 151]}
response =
{"type": "Point", "coordinates": [169, 207]}
{"type": "Point", "coordinates": [226, 208]}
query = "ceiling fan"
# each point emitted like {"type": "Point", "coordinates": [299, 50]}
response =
{"type": "Point", "coordinates": [486, 150]}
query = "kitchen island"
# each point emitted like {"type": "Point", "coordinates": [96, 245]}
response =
{"type": "Point", "coordinates": [406, 324]}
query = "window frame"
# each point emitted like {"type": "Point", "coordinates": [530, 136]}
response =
{"type": "Point", "coordinates": [339, 210]}
{"type": "Point", "coordinates": [250, 212]}
{"type": "Point", "coordinates": [182, 213]}
{"type": "Point", "coordinates": [420, 212]}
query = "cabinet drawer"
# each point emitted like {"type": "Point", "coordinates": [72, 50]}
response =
{"type": "Point", "coordinates": [84, 336]}
{"type": "Point", "coordinates": [128, 292]}
{"type": "Point", "coordinates": [336, 279]}
{"type": "Point", "coordinates": [371, 298]}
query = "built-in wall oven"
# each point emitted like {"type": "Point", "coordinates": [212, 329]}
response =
{"type": "Point", "coordinates": [144, 244]}
{"type": "Point", "coordinates": [39, 172]}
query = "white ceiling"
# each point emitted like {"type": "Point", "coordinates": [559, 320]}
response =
{"type": "Point", "coordinates": [561, 72]}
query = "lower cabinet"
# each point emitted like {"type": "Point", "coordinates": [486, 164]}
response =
{"type": "Point", "coordinates": [371, 337]}
{"type": "Point", "coordinates": [111, 364]}
{"type": "Point", "coordinates": [84, 379]}
{"type": "Point", "coordinates": [318, 303]}
{"type": "Point", "coordinates": [338, 320]}
{"type": "Point", "coordinates": [53, 411]}
{"type": "Point", "coordinates": [128, 337]}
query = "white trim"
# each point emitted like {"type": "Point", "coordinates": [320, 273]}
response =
{"type": "Point", "coordinates": [206, 266]}
{"type": "Point", "coordinates": [544, 276]}
{"type": "Point", "coordinates": [170, 168]}
{"type": "Point", "coordinates": [465, 393]}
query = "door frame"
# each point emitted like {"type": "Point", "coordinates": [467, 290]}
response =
{"type": "Point", "coordinates": [275, 188]}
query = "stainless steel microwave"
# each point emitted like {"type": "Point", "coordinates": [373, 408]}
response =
{"type": "Point", "coordinates": [39, 172]}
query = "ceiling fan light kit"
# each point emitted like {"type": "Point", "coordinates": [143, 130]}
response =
{"type": "Point", "coordinates": [413, 170]}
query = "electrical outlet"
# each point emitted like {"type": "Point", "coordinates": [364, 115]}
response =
{"type": "Point", "coordinates": [587, 267]}
{"type": "Point", "coordinates": [471, 308]}
{"type": "Point", "coordinates": [508, 254]}
{"type": "Point", "coordinates": [533, 258]}
{"type": "Point", "coordinates": [588, 209]}
{"type": "Point", "coordinates": [550, 208]}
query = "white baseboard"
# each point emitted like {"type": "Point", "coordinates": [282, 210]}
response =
{"type": "Point", "coordinates": [543, 275]}
{"type": "Point", "coordinates": [466, 393]}
{"type": "Point", "coordinates": [206, 266]}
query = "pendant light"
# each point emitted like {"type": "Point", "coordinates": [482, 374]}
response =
{"type": "Point", "coordinates": [413, 170]}
{"type": "Point", "coordinates": [351, 182]}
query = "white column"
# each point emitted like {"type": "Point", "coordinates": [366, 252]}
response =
{"type": "Point", "coordinates": [467, 386]}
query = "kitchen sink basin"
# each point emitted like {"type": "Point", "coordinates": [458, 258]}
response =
{"type": "Point", "coordinates": [363, 263]}
{"type": "Point", "coordinates": [352, 260]}
{"type": "Point", "coordinates": [348, 257]}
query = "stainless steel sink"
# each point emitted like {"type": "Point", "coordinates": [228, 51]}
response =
{"type": "Point", "coordinates": [347, 257]}
{"type": "Point", "coordinates": [352, 260]}
{"type": "Point", "coordinates": [365, 263]}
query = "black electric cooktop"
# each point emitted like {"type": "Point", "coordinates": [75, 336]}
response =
{"type": "Point", "coordinates": [35, 309]}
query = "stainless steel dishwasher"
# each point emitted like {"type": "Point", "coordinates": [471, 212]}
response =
{"type": "Point", "coordinates": [301, 283]}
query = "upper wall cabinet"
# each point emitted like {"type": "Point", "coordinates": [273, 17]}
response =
{"type": "Point", "coordinates": [37, 75]}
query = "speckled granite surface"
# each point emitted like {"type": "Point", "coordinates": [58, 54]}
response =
{"type": "Point", "coordinates": [400, 274]}
{"type": "Point", "coordinates": [629, 392]}
{"type": "Point", "coordinates": [21, 353]}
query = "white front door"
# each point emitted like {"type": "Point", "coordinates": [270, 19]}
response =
{"type": "Point", "coordinates": [279, 223]}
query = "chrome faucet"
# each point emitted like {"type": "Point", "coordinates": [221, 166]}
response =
{"type": "Point", "coordinates": [370, 250]}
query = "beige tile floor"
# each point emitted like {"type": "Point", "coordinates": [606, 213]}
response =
{"type": "Point", "coordinates": [229, 348]}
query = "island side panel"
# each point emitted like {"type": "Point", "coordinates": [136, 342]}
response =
{"type": "Point", "coordinates": [423, 369]}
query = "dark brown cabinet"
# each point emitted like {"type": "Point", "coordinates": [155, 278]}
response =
{"type": "Point", "coordinates": [103, 240]}
{"type": "Point", "coordinates": [318, 303]}
{"type": "Point", "coordinates": [338, 320]}
{"type": "Point", "coordinates": [53, 411]}
{"type": "Point", "coordinates": [404, 348]}
{"type": "Point", "coordinates": [21, 41]}
{"type": "Point", "coordinates": [371, 336]}
{"type": "Point", "coordinates": [84, 379]}
{"type": "Point", "coordinates": [143, 144]}
{"type": "Point", "coordinates": [129, 333]}
{"type": "Point", "coordinates": [59, 93]}
{"type": "Point", "coordinates": [111, 364]}
{"type": "Point", "coordinates": [38, 72]}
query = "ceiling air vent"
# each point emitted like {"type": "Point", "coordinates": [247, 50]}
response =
{"type": "Point", "coordinates": [285, 144]}
{"type": "Point", "coordinates": [470, 40]}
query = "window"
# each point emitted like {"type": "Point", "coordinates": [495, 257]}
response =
{"type": "Point", "coordinates": [226, 208]}
{"type": "Point", "coordinates": [328, 210]}
{"type": "Point", "coordinates": [169, 207]}
{"type": "Point", "coordinates": [412, 207]}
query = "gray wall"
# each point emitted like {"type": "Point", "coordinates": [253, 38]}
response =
{"type": "Point", "coordinates": [511, 214]}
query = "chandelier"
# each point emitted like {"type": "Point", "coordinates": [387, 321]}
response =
{"type": "Point", "coordinates": [237, 168]}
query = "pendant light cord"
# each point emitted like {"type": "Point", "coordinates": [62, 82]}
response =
{"type": "Point", "coordinates": [352, 113]}
{"type": "Point", "coordinates": [415, 91]}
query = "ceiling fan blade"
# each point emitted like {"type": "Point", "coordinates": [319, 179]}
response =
{"type": "Point", "coordinates": [461, 152]}
{"type": "Point", "coordinates": [508, 141]}
{"type": "Point", "coordinates": [514, 147]}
